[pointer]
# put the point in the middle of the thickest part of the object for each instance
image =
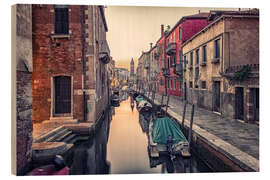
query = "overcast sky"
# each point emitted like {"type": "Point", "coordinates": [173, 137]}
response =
{"type": "Point", "coordinates": [132, 28]}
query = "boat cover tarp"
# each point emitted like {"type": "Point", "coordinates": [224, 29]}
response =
{"type": "Point", "coordinates": [144, 103]}
{"type": "Point", "coordinates": [163, 127]}
{"type": "Point", "coordinates": [139, 99]}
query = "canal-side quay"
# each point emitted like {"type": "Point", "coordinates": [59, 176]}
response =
{"type": "Point", "coordinates": [224, 144]}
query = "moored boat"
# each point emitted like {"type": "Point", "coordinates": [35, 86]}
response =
{"type": "Point", "coordinates": [58, 167]}
{"type": "Point", "coordinates": [144, 106]}
{"type": "Point", "coordinates": [166, 136]}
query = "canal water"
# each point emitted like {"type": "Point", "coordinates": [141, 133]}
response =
{"type": "Point", "coordinates": [120, 146]}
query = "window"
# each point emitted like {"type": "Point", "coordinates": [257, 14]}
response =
{"type": "Point", "coordinates": [180, 33]}
{"type": "Point", "coordinates": [203, 84]}
{"type": "Point", "coordinates": [191, 59]}
{"type": "Point", "coordinates": [61, 22]}
{"type": "Point", "coordinates": [197, 73]}
{"type": "Point", "coordinates": [174, 84]}
{"type": "Point", "coordinates": [173, 62]}
{"type": "Point", "coordinates": [197, 56]}
{"type": "Point", "coordinates": [190, 84]}
{"type": "Point", "coordinates": [204, 54]}
{"type": "Point", "coordinates": [217, 48]}
{"type": "Point", "coordinates": [180, 58]}
{"type": "Point", "coordinates": [161, 82]}
{"type": "Point", "coordinates": [185, 62]}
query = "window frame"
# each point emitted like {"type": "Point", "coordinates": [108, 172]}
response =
{"type": "Point", "coordinates": [61, 27]}
{"type": "Point", "coordinates": [197, 58]}
{"type": "Point", "coordinates": [204, 53]}
{"type": "Point", "coordinates": [180, 34]}
{"type": "Point", "coordinates": [217, 48]}
{"type": "Point", "coordinates": [191, 59]}
{"type": "Point", "coordinates": [203, 83]}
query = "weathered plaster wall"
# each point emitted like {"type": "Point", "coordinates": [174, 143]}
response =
{"type": "Point", "coordinates": [23, 86]}
{"type": "Point", "coordinates": [239, 45]}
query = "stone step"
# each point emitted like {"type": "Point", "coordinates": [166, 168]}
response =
{"type": "Point", "coordinates": [57, 135]}
{"type": "Point", "coordinates": [62, 121]}
{"type": "Point", "coordinates": [60, 138]}
{"type": "Point", "coordinates": [68, 138]}
{"type": "Point", "coordinates": [49, 134]}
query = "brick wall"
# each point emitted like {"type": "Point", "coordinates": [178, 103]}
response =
{"type": "Point", "coordinates": [54, 56]}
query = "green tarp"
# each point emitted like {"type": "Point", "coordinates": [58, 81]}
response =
{"type": "Point", "coordinates": [163, 127]}
{"type": "Point", "coordinates": [139, 99]}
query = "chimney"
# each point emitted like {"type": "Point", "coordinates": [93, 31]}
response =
{"type": "Point", "coordinates": [151, 45]}
{"type": "Point", "coordinates": [162, 30]}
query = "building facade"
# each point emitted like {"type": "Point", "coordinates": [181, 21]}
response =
{"type": "Point", "coordinates": [185, 28]}
{"type": "Point", "coordinates": [153, 68]}
{"type": "Point", "coordinates": [222, 71]}
{"type": "Point", "coordinates": [70, 55]}
{"type": "Point", "coordinates": [122, 75]}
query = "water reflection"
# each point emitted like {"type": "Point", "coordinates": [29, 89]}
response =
{"type": "Point", "coordinates": [120, 146]}
{"type": "Point", "coordinates": [89, 155]}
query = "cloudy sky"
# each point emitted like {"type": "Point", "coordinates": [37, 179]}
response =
{"type": "Point", "coordinates": [133, 28]}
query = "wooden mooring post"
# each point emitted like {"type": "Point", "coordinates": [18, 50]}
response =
{"type": "Point", "coordinates": [184, 114]}
{"type": "Point", "coordinates": [168, 99]}
{"type": "Point", "coordinates": [162, 99]}
{"type": "Point", "coordinates": [190, 126]}
{"type": "Point", "coordinates": [153, 96]}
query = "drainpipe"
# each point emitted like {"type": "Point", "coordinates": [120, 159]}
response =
{"type": "Point", "coordinates": [83, 64]}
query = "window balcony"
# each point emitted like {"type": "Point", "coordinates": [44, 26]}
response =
{"type": "Point", "coordinates": [166, 72]}
{"type": "Point", "coordinates": [104, 54]}
{"type": "Point", "coordinates": [171, 49]}
{"type": "Point", "coordinates": [178, 69]}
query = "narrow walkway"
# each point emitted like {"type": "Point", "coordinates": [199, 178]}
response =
{"type": "Point", "coordinates": [242, 135]}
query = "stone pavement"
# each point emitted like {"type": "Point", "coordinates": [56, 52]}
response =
{"type": "Point", "coordinates": [241, 135]}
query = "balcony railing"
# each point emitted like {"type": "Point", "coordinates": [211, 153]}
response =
{"type": "Point", "coordinates": [178, 69]}
{"type": "Point", "coordinates": [166, 72]}
{"type": "Point", "coordinates": [104, 54]}
{"type": "Point", "coordinates": [171, 49]}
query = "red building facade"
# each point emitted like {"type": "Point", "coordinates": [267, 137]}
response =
{"type": "Point", "coordinates": [171, 62]}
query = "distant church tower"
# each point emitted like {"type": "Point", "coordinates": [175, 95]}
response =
{"type": "Point", "coordinates": [131, 68]}
{"type": "Point", "coordinates": [132, 75]}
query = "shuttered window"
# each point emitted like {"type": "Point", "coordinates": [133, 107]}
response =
{"type": "Point", "coordinates": [61, 20]}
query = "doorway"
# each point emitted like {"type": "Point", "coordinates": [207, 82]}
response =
{"type": "Point", "coordinates": [216, 96]}
{"type": "Point", "coordinates": [255, 103]}
{"type": "Point", "coordinates": [62, 95]}
{"type": "Point", "coordinates": [239, 103]}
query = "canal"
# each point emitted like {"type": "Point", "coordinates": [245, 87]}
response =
{"type": "Point", "coordinates": [120, 146]}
